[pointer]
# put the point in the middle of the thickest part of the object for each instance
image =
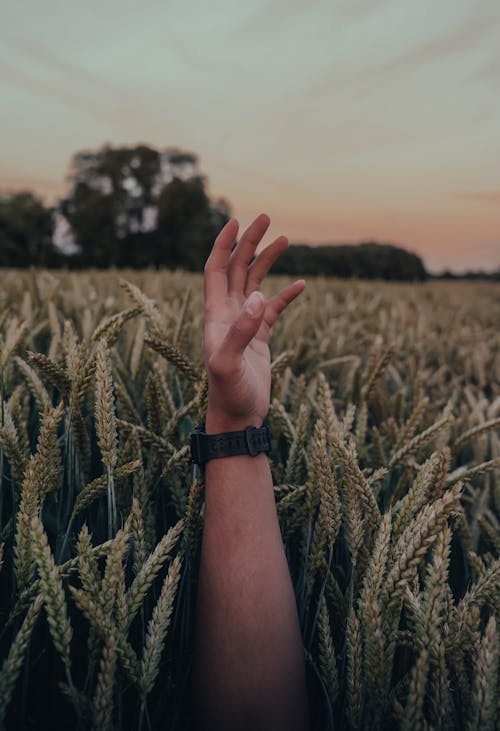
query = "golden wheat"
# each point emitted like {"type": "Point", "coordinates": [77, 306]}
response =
{"type": "Point", "coordinates": [385, 455]}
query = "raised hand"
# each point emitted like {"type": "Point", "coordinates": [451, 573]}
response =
{"type": "Point", "coordinates": [237, 324]}
{"type": "Point", "coordinates": [246, 614]}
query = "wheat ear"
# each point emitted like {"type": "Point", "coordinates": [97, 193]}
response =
{"type": "Point", "coordinates": [355, 479]}
{"type": "Point", "coordinates": [426, 485]}
{"type": "Point", "coordinates": [418, 441]}
{"type": "Point", "coordinates": [150, 569]}
{"type": "Point", "coordinates": [429, 621]}
{"type": "Point", "coordinates": [87, 563]}
{"type": "Point", "coordinates": [486, 426]}
{"type": "Point", "coordinates": [106, 427]}
{"type": "Point", "coordinates": [416, 539]}
{"type": "Point", "coordinates": [329, 515]}
{"type": "Point", "coordinates": [98, 487]}
{"type": "Point", "coordinates": [52, 592]}
{"type": "Point", "coordinates": [12, 447]}
{"type": "Point", "coordinates": [28, 507]}
{"type": "Point", "coordinates": [111, 578]}
{"type": "Point", "coordinates": [103, 698]}
{"type": "Point", "coordinates": [413, 719]}
{"type": "Point", "coordinates": [296, 453]}
{"type": "Point", "coordinates": [354, 669]}
{"type": "Point", "coordinates": [326, 654]}
{"type": "Point", "coordinates": [158, 627]}
{"type": "Point", "coordinates": [370, 612]}
{"type": "Point", "coordinates": [51, 371]}
{"type": "Point", "coordinates": [174, 356]}
{"type": "Point", "coordinates": [147, 305]}
{"type": "Point", "coordinates": [485, 681]}
{"type": "Point", "coordinates": [12, 664]}
{"type": "Point", "coordinates": [110, 328]}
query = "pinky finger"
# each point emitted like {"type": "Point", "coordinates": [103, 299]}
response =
{"type": "Point", "coordinates": [280, 301]}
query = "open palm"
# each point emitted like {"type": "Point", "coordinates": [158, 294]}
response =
{"type": "Point", "coordinates": [236, 339]}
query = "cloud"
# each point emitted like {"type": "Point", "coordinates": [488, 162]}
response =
{"type": "Point", "coordinates": [456, 41]}
{"type": "Point", "coordinates": [472, 32]}
{"type": "Point", "coordinates": [269, 18]}
{"type": "Point", "coordinates": [33, 51]}
{"type": "Point", "coordinates": [36, 68]}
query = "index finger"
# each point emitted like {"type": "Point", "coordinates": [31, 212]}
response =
{"type": "Point", "coordinates": [216, 284]}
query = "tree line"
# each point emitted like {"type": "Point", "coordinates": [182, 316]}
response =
{"type": "Point", "coordinates": [125, 207]}
{"type": "Point", "coordinates": [142, 207]}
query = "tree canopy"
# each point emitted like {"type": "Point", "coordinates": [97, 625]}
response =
{"type": "Point", "coordinates": [368, 260]}
{"type": "Point", "coordinates": [140, 207]}
{"type": "Point", "coordinates": [26, 229]}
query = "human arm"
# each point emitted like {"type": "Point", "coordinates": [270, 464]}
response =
{"type": "Point", "coordinates": [249, 666]}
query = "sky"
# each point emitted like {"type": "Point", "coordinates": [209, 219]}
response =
{"type": "Point", "coordinates": [344, 120]}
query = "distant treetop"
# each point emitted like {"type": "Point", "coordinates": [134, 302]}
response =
{"type": "Point", "coordinates": [369, 260]}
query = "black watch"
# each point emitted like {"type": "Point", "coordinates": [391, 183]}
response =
{"type": "Point", "coordinates": [251, 440]}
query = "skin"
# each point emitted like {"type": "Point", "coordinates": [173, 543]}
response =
{"type": "Point", "coordinates": [249, 669]}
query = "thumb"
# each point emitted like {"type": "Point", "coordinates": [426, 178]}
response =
{"type": "Point", "coordinates": [245, 327]}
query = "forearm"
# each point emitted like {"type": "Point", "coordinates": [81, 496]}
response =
{"type": "Point", "coordinates": [249, 664]}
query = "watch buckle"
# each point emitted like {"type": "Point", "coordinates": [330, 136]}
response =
{"type": "Point", "coordinates": [252, 451]}
{"type": "Point", "coordinates": [195, 448]}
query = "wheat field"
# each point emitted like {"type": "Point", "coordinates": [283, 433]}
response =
{"type": "Point", "coordinates": [385, 424]}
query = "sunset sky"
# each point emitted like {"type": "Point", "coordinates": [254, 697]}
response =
{"type": "Point", "coordinates": [344, 120]}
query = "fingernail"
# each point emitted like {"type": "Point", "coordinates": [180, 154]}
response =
{"type": "Point", "coordinates": [254, 303]}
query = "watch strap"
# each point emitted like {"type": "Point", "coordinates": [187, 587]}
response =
{"type": "Point", "coordinates": [252, 441]}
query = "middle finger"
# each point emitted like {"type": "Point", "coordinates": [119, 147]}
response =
{"type": "Point", "coordinates": [243, 253]}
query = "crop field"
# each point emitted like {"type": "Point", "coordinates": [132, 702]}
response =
{"type": "Point", "coordinates": [385, 423]}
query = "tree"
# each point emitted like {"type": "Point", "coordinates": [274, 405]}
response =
{"type": "Point", "coordinates": [137, 206]}
{"type": "Point", "coordinates": [187, 223]}
{"type": "Point", "coordinates": [368, 260]}
{"type": "Point", "coordinates": [26, 228]}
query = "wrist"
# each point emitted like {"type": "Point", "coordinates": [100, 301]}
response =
{"type": "Point", "coordinates": [217, 422]}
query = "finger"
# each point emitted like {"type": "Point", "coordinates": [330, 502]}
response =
{"type": "Point", "coordinates": [239, 335]}
{"type": "Point", "coordinates": [243, 253]}
{"type": "Point", "coordinates": [262, 264]}
{"type": "Point", "coordinates": [280, 301]}
{"type": "Point", "coordinates": [215, 280]}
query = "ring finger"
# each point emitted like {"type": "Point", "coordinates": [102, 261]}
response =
{"type": "Point", "coordinates": [262, 264]}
